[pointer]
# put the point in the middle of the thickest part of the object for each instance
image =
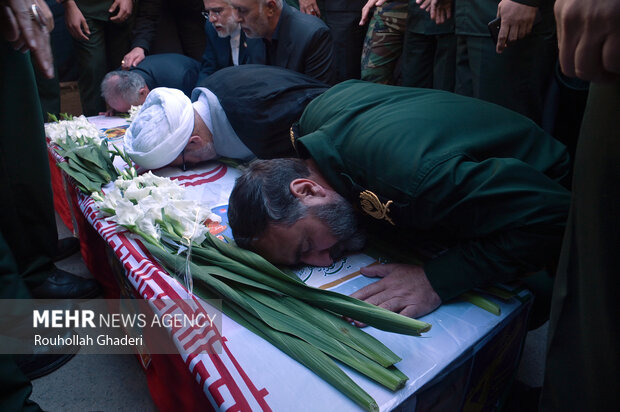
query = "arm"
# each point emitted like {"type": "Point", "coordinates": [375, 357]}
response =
{"type": "Point", "coordinates": [517, 21]}
{"type": "Point", "coordinates": [589, 38]}
{"type": "Point", "coordinates": [23, 33]}
{"type": "Point", "coordinates": [503, 228]}
{"type": "Point", "coordinates": [208, 65]}
{"type": "Point", "coordinates": [319, 60]}
{"type": "Point", "coordinates": [75, 21]}
{"type": "Point", "coordinates": [508, 219]}
{"type": "Point", "coordinates": [146, 23]}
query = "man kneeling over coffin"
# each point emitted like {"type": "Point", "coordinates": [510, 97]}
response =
{"type": "Point", "coordinates": [239, 112]}
{"type": "Point", "coordinates": [416, 167]}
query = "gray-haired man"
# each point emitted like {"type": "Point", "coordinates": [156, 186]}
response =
{"type": "Point", "coordinates": [122, 89]}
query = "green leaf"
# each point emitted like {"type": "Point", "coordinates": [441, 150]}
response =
{"type": "Point", "coordinates": [481, 302]}
{"type": "Point", "coordinates": [309, 356]}
{"type": "Point", "coordinates": [325, 299]}
{"type": "Point", "coordinates": [83, 182]}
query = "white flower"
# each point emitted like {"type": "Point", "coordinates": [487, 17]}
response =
{"type": "Point", "coordinates": [133, 112]}
{"type": "Point", "coordinates": [77, 128]}
{"type": "Point", "coordinates": [143, 202]}
{"type": "Point", "coordinates": [127, 214]}
{"type": "Point", "coordinates": [148, 227]}
{"type": "Point", "coordinates": [135, 193]}
{"type": "Point", "coordinates": [109, 201]}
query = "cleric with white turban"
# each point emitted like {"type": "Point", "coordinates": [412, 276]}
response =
{"type": "Point", "coordinates": [242, 112]}
{"type": "Point", "coordinates": [161, 130]}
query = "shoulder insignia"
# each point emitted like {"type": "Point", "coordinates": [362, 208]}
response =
{"type": "Point", "coordinates": [372, 206]}
{"type": "Point", "coordinates": [292, 133]}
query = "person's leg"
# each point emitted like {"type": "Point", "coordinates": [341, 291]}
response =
{"type": "Point", "coordinates": [49, 94]}
{"type": "Point", "coordinates": [582, 347]}
{"type": "Point", "coordinates": [348, 37]}
{"type": "Point", "coordinates": [518, 78]}
{"type": "Point", "coordinates": [383, 45]}
{"type": "Point", "coordinates": [15, 74]}
{"type": "Point", "coordinates": [192, 35]}
{"type": "Point", "coordinates": [92, 62]}
{"type": "Point", "coordinates": [418, 58]}
{"type": "Point", "coordinates": [463, 77]}
{"type": "Point", "coordinates": [444, 69]}
{"type": "Point", "coordinates": [117, 44]}
{"type": "Point", "coordinates": [27, 220]}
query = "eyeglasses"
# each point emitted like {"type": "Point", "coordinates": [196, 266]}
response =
{"type": "Point", "coordinates": [214, 12]}
{"type": "Point", "coordinates": [183, 167]}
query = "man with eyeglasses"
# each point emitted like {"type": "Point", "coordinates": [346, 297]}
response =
{"type": "Point", "coordinates": [239, 112]}
{"type": "Point", "coordinates": [292, 39]}
{"type": "Point", "coordinates": [227, 45]}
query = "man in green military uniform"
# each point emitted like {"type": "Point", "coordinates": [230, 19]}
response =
{"type": "Point", "coordinates": [421, 166]}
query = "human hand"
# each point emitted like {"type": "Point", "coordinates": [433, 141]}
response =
{"type": "Point", "coordinates": [404, 289]}
{"type": "Point", "coordinates": [439, 10]}
{"type": "Point", "coordinates": [24, 32]}
{"type": "Point", "coordinates": [108, 113]}
{"type": "Point", "coordinates": [517, 22]}
{"type": "Point", "coordinates": [367, 8]}
{"type": "Point", "coordinates": [133, 58]}
{"type": "Point", "coordinates": [309, 7]}
{"type": "Point", "coordinates": [122, 8]}
{"type": "Point", "coordinates": [589, 38]}
{"type": "Point", "coordinates": [75, 21]}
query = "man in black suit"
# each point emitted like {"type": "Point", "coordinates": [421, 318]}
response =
{"type": "Point", "coordinates": [227, 45]}
{"type": "Point", "coordinates": [122, 89]}
{"type": "Point", "coordinates": [293, 40]}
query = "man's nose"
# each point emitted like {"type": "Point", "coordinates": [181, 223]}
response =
{"type": "Point", "coordinates": [212, 17]}
{"type": "Point", "coordinates": [318, 258]}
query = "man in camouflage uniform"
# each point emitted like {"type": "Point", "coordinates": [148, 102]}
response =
{"type": "Point", "coordinates": [384, 41]}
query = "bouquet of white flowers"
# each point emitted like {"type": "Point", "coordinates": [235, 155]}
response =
{"type": "Point", "coordinates": [87, 157]}
{"type": "Point", "coordinates": [150, 206]}
{"type": "Point", "coordinates": [75, 129]}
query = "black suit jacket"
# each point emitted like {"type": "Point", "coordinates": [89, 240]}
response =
{"type": "Point", "coordinates": [304, 45]}
{"type": "Point", "coordinates": [218, 55]}
{"type": "Point", "coordinates": [169, 70]}
{"type": "Point", "coordinates": [262, 103]}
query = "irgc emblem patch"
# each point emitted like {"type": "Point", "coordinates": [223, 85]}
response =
{"type": "Point", "coordinates": [371, 205]}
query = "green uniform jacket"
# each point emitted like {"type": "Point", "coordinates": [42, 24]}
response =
{"type": "Point", "coordinates": [448, 168]}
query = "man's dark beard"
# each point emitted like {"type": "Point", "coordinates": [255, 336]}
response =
{"type": "Point", "coordinates": [342, 222]}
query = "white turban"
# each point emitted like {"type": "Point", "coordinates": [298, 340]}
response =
{"type": "Point", "coordinates": [162, 128]}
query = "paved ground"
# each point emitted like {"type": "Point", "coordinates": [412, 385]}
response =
{"type": "Point", "coordinates": [118, 383]}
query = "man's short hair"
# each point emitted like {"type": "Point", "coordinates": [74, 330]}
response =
{"type": "Point", "coordinates": [127, 86]}
{"type": "Point", "coordinates": [262, 196]}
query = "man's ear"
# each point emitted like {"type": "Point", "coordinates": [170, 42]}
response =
{"type": "Point", "coordinates": [194, 140]}
{"type": "Point", "coordinates": [307, 191]}
{"type": "Point", "coordinates": [271, 7]}
{"type": "Point", "coordinates": [143, 92]}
